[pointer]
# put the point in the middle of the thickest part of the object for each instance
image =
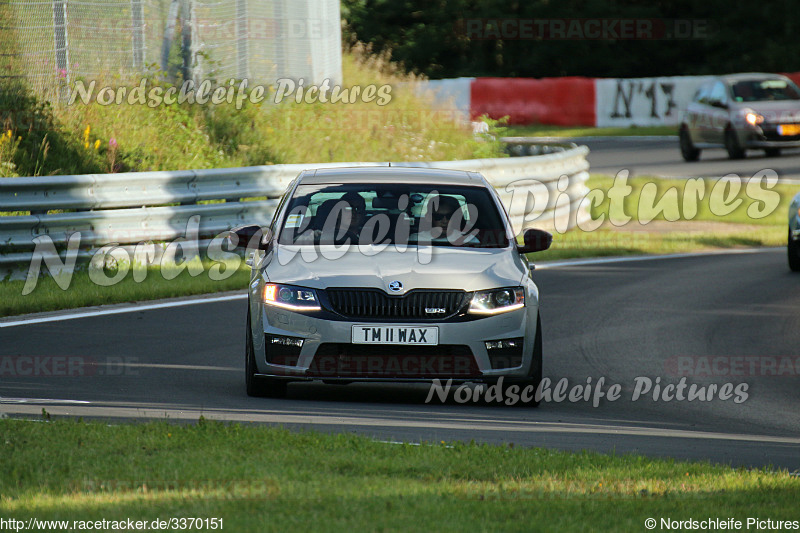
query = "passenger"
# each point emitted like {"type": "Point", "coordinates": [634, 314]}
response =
{"type": "Point", "coordinates": [441, 228]}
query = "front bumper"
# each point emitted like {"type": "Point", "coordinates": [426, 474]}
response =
{"type": "Point", "coordinates": [461, 353]}
{"type": "Point", "coordinates": [767, 136]}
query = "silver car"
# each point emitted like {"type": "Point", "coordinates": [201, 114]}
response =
{"type": "Point", "coordinates": [742, 111]}
{"type": "Point", "coordinates": [391, 274]}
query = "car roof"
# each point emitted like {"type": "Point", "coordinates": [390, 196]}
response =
{"type": "Point", "coordinates": [733, 78]}
{"type": "Point", "coordinates": [390, 174]}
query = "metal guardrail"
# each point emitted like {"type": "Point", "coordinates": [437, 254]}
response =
{"type": "Point", "coordinates": [524, 146]}
{"type": "Point", "coordinates": [130, 208]}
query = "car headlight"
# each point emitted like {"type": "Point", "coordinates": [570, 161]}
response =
{"type": "Point", "coordinates": [753, 118]}
{"type": "Point", "coordinates": [497, 301]}
{"type": "Point", "coordinates": [289, 297]}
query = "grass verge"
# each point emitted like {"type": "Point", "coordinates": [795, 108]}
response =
{"type": "Point", "coordinates": [661, 216]}
{"type": "Point", "coordinates": [40, 138]}
{"type": "Point", "coordinates": [542, 130]}
{"type": "Point", "coordinates": [83, 292]}
{"type": "Point", "coordinates": [258, 478]}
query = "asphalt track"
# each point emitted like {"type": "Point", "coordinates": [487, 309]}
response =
{"type": "Point", "coordinates": [660, 156]}
{"type": "Point", "coordinates": [601, 319]}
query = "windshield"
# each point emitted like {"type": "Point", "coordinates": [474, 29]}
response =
{"type": "Point", "coordinates": [764, 90]}
{"type": "Point", "coordinates": [390, 213]}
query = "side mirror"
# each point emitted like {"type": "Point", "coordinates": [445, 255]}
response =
{"type": "Point", "coordinates": [535, 240]}
{"type": "Point", "coordinates": [251, 236]}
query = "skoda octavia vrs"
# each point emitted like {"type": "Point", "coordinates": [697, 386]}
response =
{"type": "Point", "coordinates": [390, 274]}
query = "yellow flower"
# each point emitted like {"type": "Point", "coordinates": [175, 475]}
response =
{"type": "Point", "coordinates": [8, 134]}
{"type": "Point", "coordinates": [19, 138]}
{"type": "Point", "coordinates": [97, 144]}
{"type": "Point", "coordinates": [86, 145]}
{"type": "Point", "coordinates": [86, 133]}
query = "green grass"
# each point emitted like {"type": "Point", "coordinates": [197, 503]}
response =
{"type": "Point", "coordinates": [608, 243]}
{"type": "Point", "coordinates": [83, 292]}
{"type": "Point", "coordinates": [751, 205]}
{"type": "Point", "coordinates": [542, 130]}
{"type": "Point", "coordinates": [683, 226]}
{"type": "Point", "coordinates": [268, 479]}
{"type": "Point", "coordinates": [45, 139]}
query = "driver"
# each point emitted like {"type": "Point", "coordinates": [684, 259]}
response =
{"type": "Point", "coordinates": [357, 207]}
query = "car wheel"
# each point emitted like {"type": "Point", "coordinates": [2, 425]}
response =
{"type": "Point", "coordinates": [793, 251]}
{"type": "Point", "coordinates": [259, 386]}
{"type": "Point", "coordinates": [535, 374]}
{"type": "Point", "coordinates": [735, 150]}
{"type": "Point", "coordinates": [772, 152]}
{"type": "Point", "coordinates": [688, 151]}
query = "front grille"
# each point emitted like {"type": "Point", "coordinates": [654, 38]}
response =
{"type": "Point", "coordinates": [393, 361]}
{"type": "Point", "coordinates": [374, 303]}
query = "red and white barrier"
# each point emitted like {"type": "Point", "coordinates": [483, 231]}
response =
{"type": "Point", "coordinates": [643, 101]}
{"type": "Point", "coordinates": [560, 101]}
{"type": "Point", "coordinates": [576, 101]}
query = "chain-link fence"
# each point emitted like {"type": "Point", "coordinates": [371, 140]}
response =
{"type": "Point", "coordinates": [51, 42]}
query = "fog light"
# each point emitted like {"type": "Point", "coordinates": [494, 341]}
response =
{"type": "Point", "coordinates": [505, 353]}
{"type": "Point", "coordinates": [499, 345]}
{"type": "Point", "coordinates": [286, 341]}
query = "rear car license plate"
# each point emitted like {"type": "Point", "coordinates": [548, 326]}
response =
{"type": "Point", "coordinates": [402, 334]}
{"type": "Point", "coordinates": [789, 129]}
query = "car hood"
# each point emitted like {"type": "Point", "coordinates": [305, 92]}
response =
{"type": "Point", "coordinates": [424, 267]}
{"type": "Point", "coordinates": [774, 111]}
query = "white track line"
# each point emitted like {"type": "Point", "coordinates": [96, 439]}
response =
{"type": "Point", "coordinates": [606, 260]}
{"type": "Point", "coordinates": [132, 308]}
{"type": "Point", "coordinates": [47, 401]}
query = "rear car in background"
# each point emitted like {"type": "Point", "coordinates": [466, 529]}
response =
{"type": "Point", "coordinates": [740, 112]}
{"type": "Point", "coordinates": [793, 244]}
{"type": "Point", "coordinates": [391, 274]}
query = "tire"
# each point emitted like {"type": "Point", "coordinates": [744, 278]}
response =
{"type": "Point", "coordinates": [735, 150]}
{"type": "Point", "coordinates": [534, 377]}
{"type": "Point", "coordinates": [793, 253]}
{"type": "Point", "coordinates": [772, 152]}
{"type": "Point", "coordinates": [259, 386]}
{"type": "Point", "coordinates": [688, 151]}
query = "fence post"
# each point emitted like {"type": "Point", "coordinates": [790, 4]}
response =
{"type": "Point", "coordinates": [137, 28]}
{"type": "Point", "coordinates": [169, 34]}
{"type": "Point", "coordinates": [190, 37]}
{"type": "Point", "coordinates": [61, 46]}
{"type": "Point", "coordinates": [242, 43]}
{"type": "Point", "coordinates": [280, 38]}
